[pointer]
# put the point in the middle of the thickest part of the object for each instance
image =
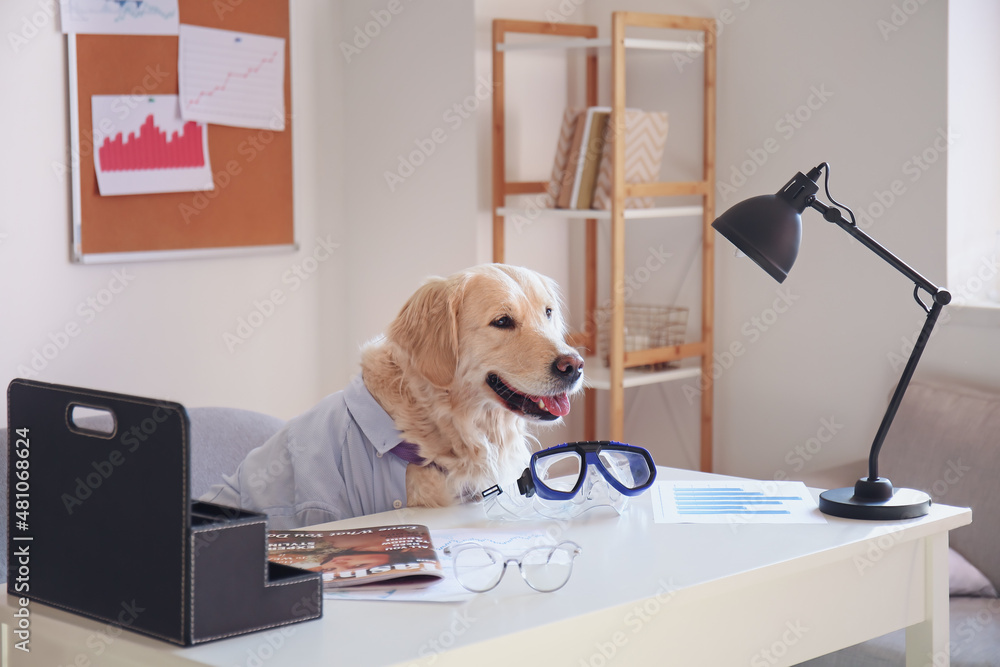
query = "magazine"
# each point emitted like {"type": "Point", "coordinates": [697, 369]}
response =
{"type": "Point", "coordinates": [401, 554]}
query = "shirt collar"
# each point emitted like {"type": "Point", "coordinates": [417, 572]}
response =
{"type": "Point", "coordinates": [374, 422]}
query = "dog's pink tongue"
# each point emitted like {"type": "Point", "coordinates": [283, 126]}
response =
{"type": "Point", "coordinates": [557, 405]}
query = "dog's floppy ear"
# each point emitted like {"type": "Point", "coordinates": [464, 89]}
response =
{"type": "Point", "coordinates": [427, 329]}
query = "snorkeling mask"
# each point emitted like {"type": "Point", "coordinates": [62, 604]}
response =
{"type": "Point", "coordinates": [564, 481]}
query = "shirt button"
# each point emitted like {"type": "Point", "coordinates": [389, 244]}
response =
{"type": "Point", "coordinates": [378, 455]}
{"type": "Point", "coordinates": [397, 504]}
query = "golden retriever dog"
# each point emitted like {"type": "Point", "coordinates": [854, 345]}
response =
{"type": "Point", "coordinates": [469, 361]}
{"type": "Point", "coordinates": [438, 414]}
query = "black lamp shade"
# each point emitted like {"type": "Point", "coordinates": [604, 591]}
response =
{"type": "Point", "coordinates": [767, 229]}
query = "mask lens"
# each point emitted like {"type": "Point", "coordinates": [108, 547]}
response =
{"type": "Point", "coordinates": [629, 468]}
{"type": "Point", "coordinates": [559, 472]}
{"type": "Point", "coordinates": [547, 568]}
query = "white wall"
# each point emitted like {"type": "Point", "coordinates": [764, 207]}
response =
{"type": "Point", "coordinates": [162, 335]}
{"type": "Point", "coordinates": [359, 104]}
{"type": "Point", "coordinates": [811, 390]}
{"type": "Point", "coordinates": [409, 157]}
{"type": "Point", "coordinates": [967, 343]}
{"type": "Point", "coordinates": [865, 88]}
{"type": "Point", "coordinates": [859, 98]}
{"type": "Point", "coordinates": [973, 198]}
{"type": "Point", "coordinates": [828, 82]}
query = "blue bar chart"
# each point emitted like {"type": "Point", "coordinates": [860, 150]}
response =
{"type": "Point", "coordinates": [736, 501]}
{"type": "Point", "coordinates": [731, 500]}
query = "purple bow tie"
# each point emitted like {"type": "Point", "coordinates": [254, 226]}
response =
{"type": "Point", "coordinates": [408, 452]}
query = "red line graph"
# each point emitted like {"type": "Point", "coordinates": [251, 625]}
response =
{"type": "Point", "coordinates": [152, 149]}
{"type": "Point", "coordinates": [230, 75]}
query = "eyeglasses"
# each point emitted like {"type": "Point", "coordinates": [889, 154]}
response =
{"type": "Point", "coordinates": [557, 473]}
{"type": "Point", "coordinates": [480, 568]}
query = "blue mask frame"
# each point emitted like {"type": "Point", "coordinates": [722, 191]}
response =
{"type": "Point", "coordinates": [589, 453]}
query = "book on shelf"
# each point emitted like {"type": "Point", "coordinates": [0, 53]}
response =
{"type": "Point", "coordinates": [401, 554]}
{"type": "Point", "coordinates": [567, 131]}
{"type": "Point", "coordinates": [595, 125]}
{"type": "Point", "coordinates": [572, 161]}
{"type": "Point", "coordinates": [645, 135]}
{"type": "Point", "coordinates": [581, 172]}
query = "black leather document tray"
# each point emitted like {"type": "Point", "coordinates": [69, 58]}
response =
{"type": "Point", "coordinates": [101, 523]}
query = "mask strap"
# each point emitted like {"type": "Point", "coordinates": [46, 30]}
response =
{"type": "Point", "coordinates": [525, 484]}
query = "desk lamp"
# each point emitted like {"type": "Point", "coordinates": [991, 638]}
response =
{"type": "Point", "coordinates": [768, 229]}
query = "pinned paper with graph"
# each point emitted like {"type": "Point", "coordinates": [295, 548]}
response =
{"type": "Point", "coordinates": [232, 78]}
{"type": "Point", "coordinates": [734, 501]}
{"type": "Point", "coordinates": [119, 17]}
{"type": "Point", "coordinates": [142, 146]}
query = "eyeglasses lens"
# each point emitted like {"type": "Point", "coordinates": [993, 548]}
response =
{"type": "Point", "coordinates": [547, 568]}
{"type": "Point", "coordinates": [478, 568]}
{"type": "Point", "coordinates": [629, 468]}
{"type": "Point", "coordinates": [559, 472]}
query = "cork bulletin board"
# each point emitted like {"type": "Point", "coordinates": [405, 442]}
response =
{"type": "Point", "coordinates": [250, 208]}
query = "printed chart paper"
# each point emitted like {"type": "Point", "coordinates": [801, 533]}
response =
{"type": "Point", "coordinates": [142, 146]}
{"type": "Point", "coordinates": [734, 502]}
{"type": "Point", "coordinates": [232, 78]}
{"type": "Point", "coordinates": [119, 17]}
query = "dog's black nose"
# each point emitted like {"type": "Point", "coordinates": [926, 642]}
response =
{"type": "Point", "coordinates": [568, 367]}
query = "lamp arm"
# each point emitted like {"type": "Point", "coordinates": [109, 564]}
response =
{"type": "Point", "coordinates": [833, 214]}
{"type": "Point", "coordinates": [904, 381]}
{"type": "Point", "coordinates": [940, 296]}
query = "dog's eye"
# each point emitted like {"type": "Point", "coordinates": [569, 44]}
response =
{"type": "Point", "coordinates": [548, 313]}
{"type": "Point", "coordinates": [503, 322]}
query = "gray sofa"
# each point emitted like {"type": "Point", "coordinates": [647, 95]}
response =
{"type": "Point", "coordinates": [945, 440]}
{"type": "Point", "coordinates": [220, 439]}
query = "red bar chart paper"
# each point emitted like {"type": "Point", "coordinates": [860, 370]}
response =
{"type": "Point", "coordinates": [142, 146]}
{"type": "Point", "coordinates": [152, 149]}
{"type": "Point", "coordinates": [231, 78]}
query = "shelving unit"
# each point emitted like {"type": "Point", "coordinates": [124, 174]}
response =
{"type": "Point", "coordinates": [617, 377]}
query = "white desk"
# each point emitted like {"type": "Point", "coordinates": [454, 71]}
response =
{"type": "Point", "coordinates": [641, 593]}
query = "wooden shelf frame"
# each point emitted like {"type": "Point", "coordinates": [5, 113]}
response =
{"type": "Point", "coordinates": [582, 213]}
{"type": "Point", "coordinates": [585, 36]}
{"type": "Point", "coordinates": [599, 43]}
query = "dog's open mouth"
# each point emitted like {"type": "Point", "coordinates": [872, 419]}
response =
{"type": "Point", "coordinates": [545, 408]}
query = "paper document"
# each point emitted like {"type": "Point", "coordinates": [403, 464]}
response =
{"type": "Point", "coordinates": [232, 78]}
{"type": "Point", "coordinates": [733, 502]}
{"type": "Point", "coordinates": [141, 146]}
{"type": "Point", "coordinates": [119, 17]}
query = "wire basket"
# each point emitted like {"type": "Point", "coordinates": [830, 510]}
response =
{"type": "Point", "coordinates": [646, 327]}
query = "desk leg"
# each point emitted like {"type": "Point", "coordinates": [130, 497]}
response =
{"type": "Point", "coordinates": [927, 642]}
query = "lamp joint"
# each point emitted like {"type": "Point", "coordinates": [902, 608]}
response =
{"type": "Point", "coordinates": [873, 489]}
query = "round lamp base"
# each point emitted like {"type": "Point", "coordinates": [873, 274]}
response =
{"type": "Point", "coordinates": [903, 504]}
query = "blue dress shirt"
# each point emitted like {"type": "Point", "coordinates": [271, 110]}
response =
{"type": "Point", "coordinates": [330, 463]}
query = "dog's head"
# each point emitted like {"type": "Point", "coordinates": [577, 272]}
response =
{"type": "Point", "coordinates": [495, 335]}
